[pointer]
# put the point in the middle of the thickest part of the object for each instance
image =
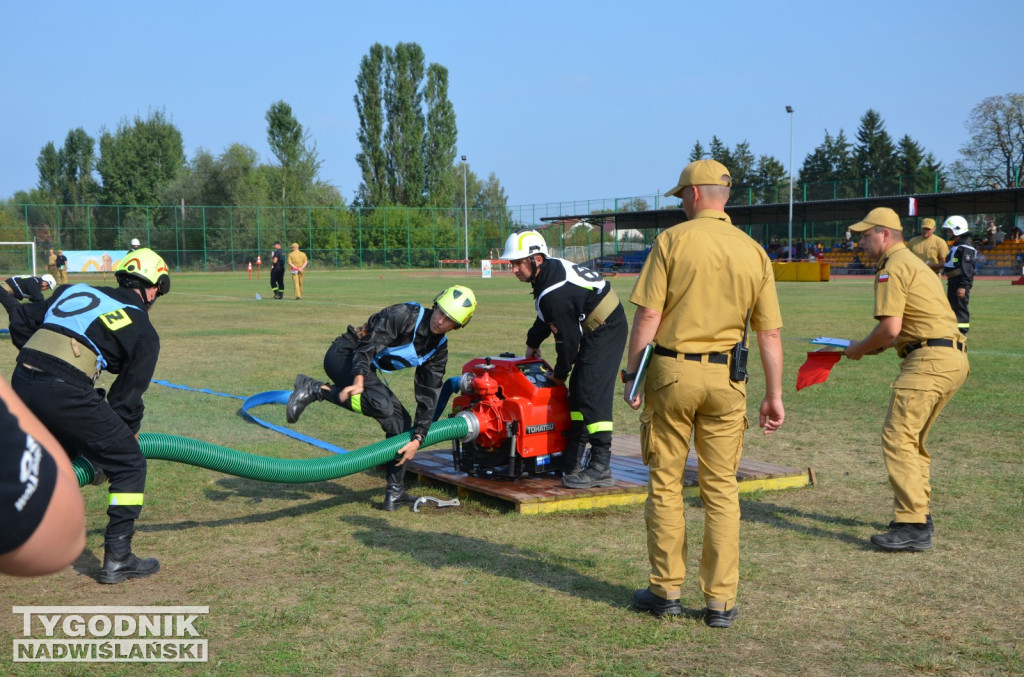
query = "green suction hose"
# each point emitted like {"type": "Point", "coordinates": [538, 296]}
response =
{"type": "Point", "coordinates": [282, 470]}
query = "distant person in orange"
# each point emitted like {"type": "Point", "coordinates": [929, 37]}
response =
{"type": "Point", "coordinates": [297, 261]}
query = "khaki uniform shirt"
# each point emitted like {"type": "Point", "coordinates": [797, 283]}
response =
{"type": "Point", "coordinates": [703, 275]}
{"type": "Point", "coordinates": [296, 259]}
{"type": "Point", "coordinates": [932, 249]}
{"type": "Point", "coordinates": [905, 287]}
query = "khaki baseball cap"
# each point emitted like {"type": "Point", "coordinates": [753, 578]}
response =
{"type": "Point", "coordinates": [928, 223]}
{"type": "Point", "coordinates": [295, 245]}
{"type": "Point", "coordinates": [879, 216]}
{"type": "Point", "coordinates": [701, 173]}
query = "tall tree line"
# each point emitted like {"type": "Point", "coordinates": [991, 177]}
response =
{"type": "Point", "coordinates": [407, 129]}
{"type": "Point", "coordinates": [836, 168]}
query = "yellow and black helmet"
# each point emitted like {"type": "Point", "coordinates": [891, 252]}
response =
{"type": "Point", "coordinates": [458, 303]}
{"type": "Point", "coordinates": [143, 267]}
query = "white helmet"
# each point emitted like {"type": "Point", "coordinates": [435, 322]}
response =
{"type": "Point", "coordinates": [957, 224]}
{"type": "Point", "coordinates": [135, 242]}
{"type": "Point", "coordinates": [523, 244]}
{"type": "Point", "coordinates": [48, 279]}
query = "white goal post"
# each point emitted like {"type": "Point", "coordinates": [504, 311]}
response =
{"type": "Point", "coordinates": [30, 244]}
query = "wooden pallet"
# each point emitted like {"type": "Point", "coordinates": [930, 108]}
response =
{"type": "Point", "coordinates": [545, 494]}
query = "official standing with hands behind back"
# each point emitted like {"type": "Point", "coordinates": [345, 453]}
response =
{"type": "Point", "coordinates": [703, 279]}
{"type": "Point", "coordinates": [297, 261]}
{"type": "Point", "coordinates": [914, 318]}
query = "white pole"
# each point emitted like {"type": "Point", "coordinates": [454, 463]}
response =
{"type": "Point", "coordinates": [465, 210]}
{"type": "Point", "coordinates": [789, 241]}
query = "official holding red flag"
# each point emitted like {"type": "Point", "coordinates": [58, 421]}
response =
{"type": "Point", "coordinates": [915, 318]}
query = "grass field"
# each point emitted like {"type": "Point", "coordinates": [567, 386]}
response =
{"type": "Point", "coordinates": [315, 579]}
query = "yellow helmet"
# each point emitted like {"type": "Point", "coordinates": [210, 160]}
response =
{"type": "Point", "coordinates": [146, 266]}
{"type": "Point", "coordinates": [458, 303]}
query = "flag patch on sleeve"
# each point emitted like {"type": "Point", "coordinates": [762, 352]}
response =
{"type": "Point", "coordinates": [884, 277]}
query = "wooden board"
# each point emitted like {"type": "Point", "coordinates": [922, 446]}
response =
{"type": "Point", "coordinates": [545, 493]}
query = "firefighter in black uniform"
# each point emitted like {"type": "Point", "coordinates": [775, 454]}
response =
{"type": "Point", "coordinates": [959, 269]}
{"type": "Point", "coordinates": [277, 258]}
{"type": "Point", "coordinates": [400, 336]}
{"type": "Point", "coordinates": [22, 287]}
{"type": "Point", "coordinates": [80, 332]}
{"type": "Point", "coordinates": [581, 309]}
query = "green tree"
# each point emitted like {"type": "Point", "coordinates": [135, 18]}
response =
{"type": "Point", "coordinates": [874, 154]}
{"type": "Point", "coordinates": [827, 172]}
{"type": "Point", "coordinates": [740, 161]}
{"type": "Point", "coordinates": [403, 138]}
{"type": "Point", "coordinates": [66, 178]}
{"type": "Point", "coordinates": [719, 151]}
{"type": "Point", "coordinates": [770, 181]}
{"type": "Point", "coordinates": [698, 152]}
{"type": "Point", "coordinates": [440, 140]}
{"type": "Point", "coordinates": [139, 159]}
{"type": "Point", "coordinates": [994, 156]}
{"type": "Point", "coordinates": [296, 153]}
{"type": "Point", "coordinates": [369, 100]}
{"type": "Point", "coordinates": [917, 169]}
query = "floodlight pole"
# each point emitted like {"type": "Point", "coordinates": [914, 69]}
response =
{"type": "Point", "coordinates": [465, 210]}
{"type": "Point", "coordinates": [789, 241]}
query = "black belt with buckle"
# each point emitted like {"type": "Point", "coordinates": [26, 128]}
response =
{"type": "Point", "coordinates": [713, 358]}
{"type": "Point", "coordinates": [931, 343]}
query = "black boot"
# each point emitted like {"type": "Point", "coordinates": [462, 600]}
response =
{"type": "Point", "coordinates": [120, 564]}
{"type": "Point", "coordinates": [395, 496]}
{"type": "Point", "coordinates": [570, 461]}
{"type": "Point", "coordinates": [306, 390]}
{"type": "Point", "coordinates": [597, 473]}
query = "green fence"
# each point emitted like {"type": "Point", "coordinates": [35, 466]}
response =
{"type": "Point", "coordinates": [212, 238]}
{"type": "Point", "coordinates": [229, 238]}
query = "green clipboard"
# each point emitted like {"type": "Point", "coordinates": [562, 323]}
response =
{"type": "Point", "coordinates": [641, 371]}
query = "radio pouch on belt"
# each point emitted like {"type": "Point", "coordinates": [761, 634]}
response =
{"type": "Point", "coordinates": [738, 365]}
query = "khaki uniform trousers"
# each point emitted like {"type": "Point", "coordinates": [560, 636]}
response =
{"type": "Point", "coordinates": [684, 396]}
{"type": "Point", "coordinates": [297, 282]}
{"type": "Point", "coordinates": [928, 379]}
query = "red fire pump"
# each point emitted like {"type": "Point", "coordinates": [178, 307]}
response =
{"type": "Point", "coordinates": [523, 417]}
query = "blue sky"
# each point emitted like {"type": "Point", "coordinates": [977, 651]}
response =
{"type": "Point", "coordinates": [561, 100]}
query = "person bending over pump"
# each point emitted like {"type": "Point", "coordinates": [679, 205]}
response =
{"type": "Point", "coordinates": [21, 287]}
{"type": "Point", "coordinates": [581, 309]}
{"type": "Point", "coordinates": [72, 338]}
{"type": "Point", "coordinates": [397, 337]}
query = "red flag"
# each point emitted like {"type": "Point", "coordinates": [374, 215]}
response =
{"type": "Point", "coordinates": [816, 368]}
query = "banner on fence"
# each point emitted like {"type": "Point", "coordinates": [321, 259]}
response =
{"type": "Point", "coordinates": [93, 260]}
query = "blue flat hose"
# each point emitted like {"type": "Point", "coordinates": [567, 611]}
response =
{"type": "Point", "coordinates": [281, 470]}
